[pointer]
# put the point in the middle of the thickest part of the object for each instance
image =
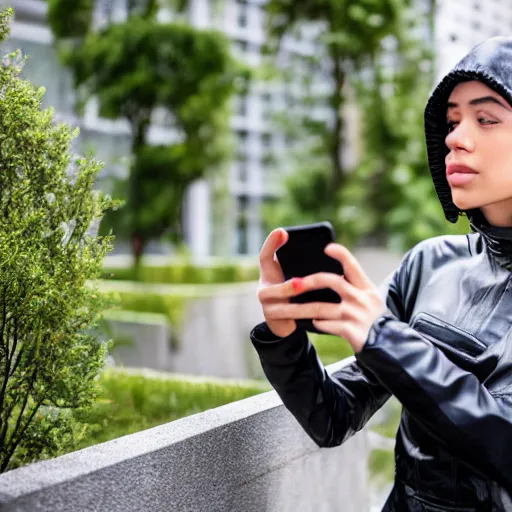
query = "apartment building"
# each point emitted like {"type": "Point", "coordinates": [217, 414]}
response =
{"type": "Point", "coordinates": [250, 181]}
{"type": "Point", "coordinates": [460, 24]}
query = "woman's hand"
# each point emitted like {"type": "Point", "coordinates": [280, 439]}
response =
{"type": "Point", "coordinates": [271, 277]}
{"type": "Point", "coordinates": [352, 319]}
{"type": "Point", "coordinates": [361, 303]}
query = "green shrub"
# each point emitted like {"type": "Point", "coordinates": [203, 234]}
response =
{"type": "Point", "coordinates": [171, 306]}
{"type": "Point", "coordinates": [184, 273]}
{"type": "Point", "coordinates": [49, 359]}
{"type": "Point", "coordinates": [130, 403]}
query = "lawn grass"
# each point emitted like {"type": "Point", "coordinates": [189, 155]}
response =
{"type": "Point", "coordinates": [129, 403]}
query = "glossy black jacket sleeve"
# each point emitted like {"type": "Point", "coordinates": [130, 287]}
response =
{"type": "Point", "coordinates": [467, 419]}
{"type": "Point", "coordinates": [330, 408]}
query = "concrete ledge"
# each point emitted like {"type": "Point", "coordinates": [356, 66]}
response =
{"type": "Point", "coordinates": [246, 456]}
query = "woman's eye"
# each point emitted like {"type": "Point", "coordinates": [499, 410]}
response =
{"type": "Point", "coordinates": [483, 120]}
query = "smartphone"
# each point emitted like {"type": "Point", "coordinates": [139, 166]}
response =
{"type": "Point", "coordinates": [302, 255]}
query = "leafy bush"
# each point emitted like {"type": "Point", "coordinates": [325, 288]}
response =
{"type": "Point", "coordinates": [171, 306]}
{"type": "Point", "coordinates": [184, 273]}
{"type": "Point", "coordinates": [130, 403]}
{"type": "Point", "coordinates": [48, 255]}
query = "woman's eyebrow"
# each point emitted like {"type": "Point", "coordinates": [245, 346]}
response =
{"type": "Point", "coordinates": [480, 101]}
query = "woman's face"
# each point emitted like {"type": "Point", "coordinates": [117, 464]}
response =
{"type": "Point", "coordinates": [479, 165]}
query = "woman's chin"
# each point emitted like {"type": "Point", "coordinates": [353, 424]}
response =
{"type": "Point", "coordinates": [463, 201]}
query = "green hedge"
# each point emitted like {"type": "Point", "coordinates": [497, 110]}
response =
{"type": "Point", "coordinates": [171, 306]}
{"type": "Point", "coordinates": [185, 273]}
{"type": "Point", "coordinates": [131, 403]}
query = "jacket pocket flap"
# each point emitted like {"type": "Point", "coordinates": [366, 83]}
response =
{"type": "Point", "coordinates": [447, 336]}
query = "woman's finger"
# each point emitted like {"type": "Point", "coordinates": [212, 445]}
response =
{"type": "Point", "coordinates": [297, 286]}
{"type": "Point", "coordinates": [270, 269]}
{"type": "Point", "coordinates": [285, 311]}
{"type": "Point", "coordinates": [322, 280]}
{"type": "Point", "coordinates": [354, 273]}
{"type": "Point", "coordinates": [345, 330]}
{"type": "Point", "coordinates": [280, 291]}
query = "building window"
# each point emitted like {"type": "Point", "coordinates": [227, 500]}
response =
{"type": "Point", "coordinates": [253, 48]}
{"type": "Point", "coordinates": [266, 140]}
{"type": "Point", "coordinates": [266, 105]}
{"type": "Point", "coordinates": [266, 99]}
{"type": "Point", "coordinates": [242, 137]}
{"type": "Point", "coordinates": [289, 100]}
{"type": "Point", "coordinates": [242, 20]}
{"type": "Point", "coordinates": [242, 245]}
{"type": "Point", "coordinates": [268, 160]}
{"type": "Point", "coordinates": [242, 168]}
{"type": "Point", "coordinates": [240, 46]}
{"type": "Point", "coordinates": [241, 105]}
{"type": "Point", "coordinates": [242, 14]}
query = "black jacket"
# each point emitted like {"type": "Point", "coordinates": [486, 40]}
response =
{"type": "Point", "coordinates": [444, 350]}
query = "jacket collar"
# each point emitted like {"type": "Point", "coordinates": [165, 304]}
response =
{"type": "Point", "coordinates": [498, 240]}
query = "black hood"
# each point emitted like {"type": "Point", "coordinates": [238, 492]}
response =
{"type": "Point", "coordinates": [489, 63]}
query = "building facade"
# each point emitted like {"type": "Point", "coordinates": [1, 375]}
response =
{"type": "Point", "coordinates": [250, 181]}
{"type": "Point", "coordinates": [460, 25]}
{"type": "Point", "coordinates": [253, 179]}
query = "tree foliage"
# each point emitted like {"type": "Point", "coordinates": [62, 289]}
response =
{"type": "Point", "coordinates": [350, 31]}
{"type": "Point", "coordinates": [49, 359]}
{"type": "Point", "coordinates": [70, 18]}
{"type": "Point", "coordinates": [373, 55]}
{"type": "Point", "coordinates": [392, 186]}
{"type": "Point", "coordinates": [139, 67]}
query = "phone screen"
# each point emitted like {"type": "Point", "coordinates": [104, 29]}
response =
{"type": "Point", "coordinates": [303, 255]}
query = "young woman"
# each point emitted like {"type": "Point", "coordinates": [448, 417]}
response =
{"type": "Point", "coordinates": [441, 341]}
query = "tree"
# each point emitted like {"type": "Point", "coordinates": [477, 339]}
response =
{"type": "Point", "coordinates": [371, 55]}
{"type": "Point", "coordinates": [49, 255]}
{"type": "Point", "coordinates": [137, 67]}
{"type": "Point", "coordinates": [349, 32]}
{"type": "Point", "coordinates": [395, 189]}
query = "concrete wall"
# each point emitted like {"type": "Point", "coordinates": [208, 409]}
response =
{"type": "Point", "coordinates": [215, 335]}
{"type": "Point", "coordinates": [143, 341]}
{"type": "Point", "coordinates": [248, 456]}
{"type": "Point", "coordinates": [214, 339]}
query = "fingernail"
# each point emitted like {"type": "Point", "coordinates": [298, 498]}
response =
{"type": "Point", "coordinates": [297, 284]}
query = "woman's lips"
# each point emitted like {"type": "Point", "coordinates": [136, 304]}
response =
{"type": "Point", "coordinates": [459, 175]}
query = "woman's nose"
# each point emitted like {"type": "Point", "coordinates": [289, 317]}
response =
{"type": "Point", "coordinates": [460, 138]}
